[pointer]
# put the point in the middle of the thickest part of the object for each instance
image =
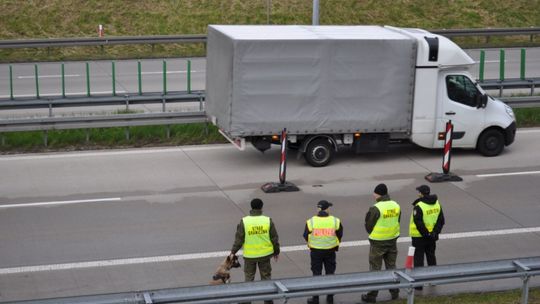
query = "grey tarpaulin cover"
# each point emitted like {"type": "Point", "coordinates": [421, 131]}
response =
{"type": "Point", "coordinates": [309, 79]}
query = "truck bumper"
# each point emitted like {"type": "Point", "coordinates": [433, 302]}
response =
{"type": "Point", "coordinates": [510, 134]}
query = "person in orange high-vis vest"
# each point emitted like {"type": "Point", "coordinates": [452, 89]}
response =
{"type": "Point", "coordinates": [323, 233]}
{"type": "Point", "coordinates": [382, 224]}
{"type": "Point", "coordinates": [257, 235]}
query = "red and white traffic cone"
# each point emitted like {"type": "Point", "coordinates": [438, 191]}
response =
{"type": "Point", "coordinates": [409, 262]}
{"type": "Point", "coordinates": [100, 30]}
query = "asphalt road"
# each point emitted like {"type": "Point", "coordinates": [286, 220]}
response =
{"type": "Point", "coordinates": [152, 74]}
{"type": "Point", "coordinates": [111, 221]}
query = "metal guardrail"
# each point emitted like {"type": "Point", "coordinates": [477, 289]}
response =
{"type": "Point", "coordinates": [201, 38]}
{"type": "Point", "coordinates": [284, 289]}
{"type": "Point", "coordinates": [101, 121]}
{"type": "Point", "coordinates": [126, 99]}
{"type": "Point", "coordinates": [522, 102]}
{"type": "Point", "coordinates": [488, 32]}
{"type": "Point", "coordinates": [61, 42]}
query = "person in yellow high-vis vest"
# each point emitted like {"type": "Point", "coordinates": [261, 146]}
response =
{"type": "Point", "coordinates": [382, 224]}
{"type": "Point", "coordinates": [257, 235]}
{"type": "Point", "coordinates": [427, 221]}
{"type": "Point", "coordinates": [323, 233]}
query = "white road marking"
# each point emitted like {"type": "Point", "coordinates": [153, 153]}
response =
{"type": "Point", "coordinates": [508, 174]}
{"type": "Point", "coordinates": [217, 254]}
{"type": "Point", "coordinates": [55, 203]}
{"type": "Point", "coordinates": [528, 131]}
{"type": "Point", "coordinates": [168, 72]}
{"type": "Point", "coordinates": [59, 94]}
{"type": "Point", "coordinates": [48, 76]}
{"type": "Point", "coordinates": [114, 153]}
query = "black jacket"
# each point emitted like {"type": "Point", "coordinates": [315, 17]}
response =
{"type": "Point", "coordinates": [339, 232]}
{"type": "Point", "coordinates": [418, 217]}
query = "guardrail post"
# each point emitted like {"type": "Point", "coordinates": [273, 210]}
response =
{"type": "Point", "coordinates": [36, 74]}
{"type": "Point", "coordinates": [127, 102]}
{"type": "Point", "coordinates": [46, 138]}
{"type": "Point", "coordinates": [87, 133]}
{"type": "Point", "coordinates": [501, 65]}
{"type": "Point", "coordinates": [2, 140]}
{"type": "Point", "coordinates": [164, 77]}
{"type": "Point", "coordinates": [482, 65]}
{"type": "Point", "coordinates": [522, 69]}
{"type": "Point", "coordinates": [163, 104]}
{"type": "Point", "coordinates": [168, 131]}
{"type": "Point", "coordinates": [139, 76]}
{"type": "Point", "coordinates": [10, 82]}
{"type": "Point", "coordinates": [127, 133]}
{"type": "Point", "coordinates": [63, 73]}
{"type": "Point", "coordinates": [189, 76]}
{"type": "Point", "coordinates": [87, 80]}
{"type": "Point", "coordinates": [113, 79]}
{"type": "Point", "coordinates": [525, 290]}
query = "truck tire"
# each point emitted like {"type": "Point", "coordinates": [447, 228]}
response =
{"type": "Point", "coordinates": [319, 152]}
{"type": "Point", "coordinates": [490, 143]}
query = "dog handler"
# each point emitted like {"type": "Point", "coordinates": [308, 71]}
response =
{"type": "Point", "coordinates": [257, 234]}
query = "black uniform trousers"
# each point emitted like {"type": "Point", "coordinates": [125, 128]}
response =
{"type": "Point", "coordinates": [320, 258]}
{"type": "Point", "coordinates": [424, 246]}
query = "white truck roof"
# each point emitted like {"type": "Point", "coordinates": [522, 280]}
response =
{"type": "Point", "coordinates": [305, 32]}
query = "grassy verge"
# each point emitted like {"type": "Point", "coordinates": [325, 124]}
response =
{"type": "Point", "coordinates": [70, 140]}
{"type": "Point", "coordinates": [188, 134]}
{"type": "Point", "coordinates": [78, 18]}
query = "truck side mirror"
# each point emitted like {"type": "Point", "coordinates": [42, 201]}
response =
{"type": "Point", "coordinates": [481, 100]}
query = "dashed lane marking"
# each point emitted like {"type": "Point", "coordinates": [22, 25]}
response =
{"type": "Point", "coordinates": [56, 203]}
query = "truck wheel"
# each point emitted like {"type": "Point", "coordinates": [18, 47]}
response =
{"type": "Point", "coordinates": [490, 143]}
{"type": "Point", "coordinates": [319, 152]}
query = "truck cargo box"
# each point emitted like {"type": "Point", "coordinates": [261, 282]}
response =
{"type": "Point", "coordinates": [309, 79]}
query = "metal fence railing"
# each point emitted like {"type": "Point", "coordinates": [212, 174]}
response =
{"type": "Point", "coordinates": [201, 38]}
{"type": "Point", "coordinates": [285, 289]}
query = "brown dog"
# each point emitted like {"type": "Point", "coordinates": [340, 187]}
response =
{"type": "Point", "coordinates": [223, 275]}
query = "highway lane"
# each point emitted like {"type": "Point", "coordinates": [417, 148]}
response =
{"type": "Point", "coordinates": [152, 75]}
{"type": "Point", "coordinates": [73, 222]}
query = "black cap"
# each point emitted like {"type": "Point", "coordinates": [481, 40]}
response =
{"type": "Point", "coordinates": [324, 204]}
{"type": "Point", "coordinates": [381, 189]}
{"type": "Point", "coordinates": [256, 203]}
{"type": "Point", "coordinates": [424, 189]}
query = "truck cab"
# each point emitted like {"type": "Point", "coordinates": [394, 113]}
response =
{"type": "Point", "coordinates": [442, 75]}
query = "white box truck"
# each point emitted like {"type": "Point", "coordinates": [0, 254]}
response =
{"type": "Point", "coordinates": [359, 86]}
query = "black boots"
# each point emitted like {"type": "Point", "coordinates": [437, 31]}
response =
{"type": "Point", "coordinates": [315, 299]}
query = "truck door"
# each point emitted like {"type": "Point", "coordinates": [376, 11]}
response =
{"type": "Point", "coordinates": [459, 104]}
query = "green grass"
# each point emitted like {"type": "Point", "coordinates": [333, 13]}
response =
{"type": "Point", "coordinates": [80, 18]}
{"type": "Point", "coordinates": [528, 117]}
{"type": "Point", "coordinates": [61, 140]}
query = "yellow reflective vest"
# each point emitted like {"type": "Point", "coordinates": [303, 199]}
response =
{"type": "Point", "coordinates": [323, 232]}
{"type": "Point", "coordinates": [430, 214]}
{"type": "Point", "coordinates": [387, 226]}
{"type": "Point", "coordinates": [257, 236]}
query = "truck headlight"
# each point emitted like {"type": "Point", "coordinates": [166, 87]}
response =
{"type": "Point", "coordinates": [509, 111]}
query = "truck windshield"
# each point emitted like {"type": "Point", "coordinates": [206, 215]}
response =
{"type": "Point", "coordinates": [461, 89]}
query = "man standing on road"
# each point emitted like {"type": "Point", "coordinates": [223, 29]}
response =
{"type": "Point", "coordinates": [382, 224]}
{"type": "Point", "coordinates": [323, 233]}
{"type": "Point", "coordinates": [257, 234]}
{"type": "Point", "coordinates": [427, 221]}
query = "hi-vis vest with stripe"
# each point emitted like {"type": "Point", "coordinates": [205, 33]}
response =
{"type": "Point", "coordinates": [387, 227]}
{"type": "Point", "coordinates": [257, 236]}
{"type": "Point", "coordinates": [323, 232]}
{"type": "Point", "coordinates": [430, 214]}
